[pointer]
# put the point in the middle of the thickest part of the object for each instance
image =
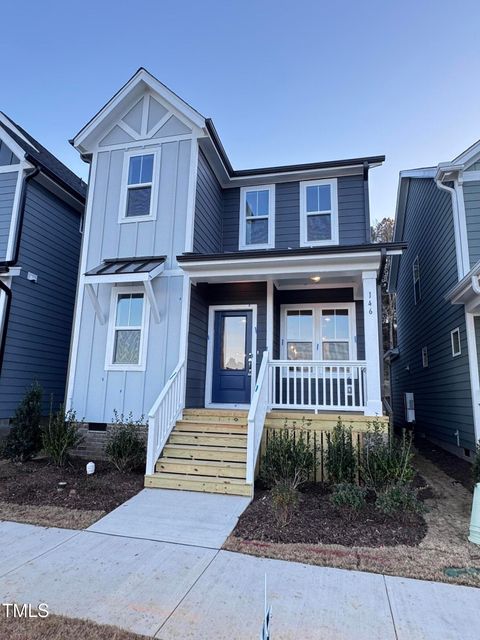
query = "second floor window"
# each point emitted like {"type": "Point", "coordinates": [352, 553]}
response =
{"type": "Point", "coordinates": [318, 213]}
{"type": "Point", "coordinates": [257, 211]}
{"type": "Point", "coordinates": [417, 293]}
{"type": "Point", "coordinates": [138, 196]}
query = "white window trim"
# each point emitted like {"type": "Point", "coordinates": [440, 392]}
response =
{"type": "Point", "coordinates": [109, 364]}
{"type": "Point", "coordinates": [317, 308]}
{"type": "Point", "coordinates": [304, 242]}
{"type": "Point", "coordinates": [415, 280]}
{"type": "Point", "coordinates": [242, 240]}
{"type": "Point", "coordinates": [425, 362]}
{"type": "Point", "coordinates": [459, 352]}
{"type": "Point", "coordinates": [122, 212]}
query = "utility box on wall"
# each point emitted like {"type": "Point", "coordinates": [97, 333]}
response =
{"type": "Point", "coordinates": [409, 407]}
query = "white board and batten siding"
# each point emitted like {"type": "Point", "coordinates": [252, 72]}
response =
{"type": "Point", "coordinates": [94, 392]}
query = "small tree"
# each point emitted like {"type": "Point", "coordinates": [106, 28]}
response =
{"type": "Point", "coordinates": [25, 439]}
{"type": "Point", "coordinates": [60, 435]}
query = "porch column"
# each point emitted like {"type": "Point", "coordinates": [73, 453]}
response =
{"type": "Point", "coordinates": [270, 318]}
{"type": "Point", "coordinates": [373, 405]}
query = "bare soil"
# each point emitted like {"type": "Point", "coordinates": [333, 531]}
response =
{"type": "Point", "coordinates": [444, 554]}
{"type": "Point", "coordinates": [59, 628]}
{"type": "Point", "coordinates": [29, 492]}
{"type": "Point", "coordinates": [458, 469]}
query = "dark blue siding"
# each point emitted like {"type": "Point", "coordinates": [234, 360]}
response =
{"type": "Point", "coordinates": [39, 326]}
{"type": "Point", "coordinates": [231, 213]}
{"type": "Point", "coordinates": [287, 215]}
{"type": "Point", "coordinates": [8, 182]}
{"type": "Point", "coordinates": [443, 402]}
{"type": "Point", "coordinates": [207, 237]}
{"type": "Point", "coordinates": [204, 295]}
{"type": "Point", "coordinates": [352, 224]}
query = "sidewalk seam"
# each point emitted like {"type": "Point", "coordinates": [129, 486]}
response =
{"type": "Point", "coordinates": [390, 606]}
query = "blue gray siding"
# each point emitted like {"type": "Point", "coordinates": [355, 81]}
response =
{"type": "Point", "coordinates": [8, 183]}
{"type": "Point", "coordinates": [471, 195]}
{"type": "Point", "coordinates": [443, 402]}
{"type": "Point", "coordinates": [217, 294]}
{"type": "Point", "coordinates": [39, 326]}
{"type": "Point", "coordinates": [208, 210]}
{"type": "Point", "coordinates": [217, 213]}
{"type": "Point", "coordinates": [7, 157]}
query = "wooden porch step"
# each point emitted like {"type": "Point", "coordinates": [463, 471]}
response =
{"type": "Point", "coordinates": [210, 427]}
{"type": "Point", "coordinates": [208, 439]}
{"type": "Point", "coordinates": [237, 418]}
{"type": "Point", "coordinates": [204, 484]}
{"type": "Point", "coordinates": [202, 468]}
{"type": "Point", "coordinates": [219, 454]}
{"type": "Point", "coordinates": [224, 413]}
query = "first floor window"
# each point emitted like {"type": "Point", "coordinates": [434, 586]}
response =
{"type": "Point", "coordinates": [455, 338]}
{"type": "Point", "coordinates": [127, 329]}
{"type": "Point", "coordinates": [299, 331]}
{"type": "Point", "coordinates": [257, 209]}
{"type": "Point", "coordinates": [139, 185]}
{"type": "Point", "coordinates": [318, 212]}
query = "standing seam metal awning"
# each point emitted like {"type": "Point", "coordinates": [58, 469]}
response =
{"type": "Point", "coordinates": [126, 270]}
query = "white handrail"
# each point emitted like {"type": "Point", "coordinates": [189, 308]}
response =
{"type": "Point", "coordinates": [164, 414]}
{"type": "Point", "coordinates": [256, 418]}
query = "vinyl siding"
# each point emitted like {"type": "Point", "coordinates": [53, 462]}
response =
{"type": "Point", "coordinates": [202, 297]}
{"type": "Point", "coordinates": [231, 213]}
{"type": "Point", "coordinates": [207, 236]}
{"type": "Point", "coordinates": [39, 326]}
{"type": "Point", "coordinates": [8, 183]}
{"type": "Point", "coordinates": [471, 195]}
{"type": "Point", "coordinates": [443, 402]}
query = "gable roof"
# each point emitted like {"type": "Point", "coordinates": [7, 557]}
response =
{"type": "Point", "coordinates": [38, 155]}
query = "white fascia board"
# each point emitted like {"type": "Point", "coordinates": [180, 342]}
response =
{"type": "Point", "coordinates": [276, 267]}
{"type": "Point", "coordinates": [457, 293]}
{"type": "Point", "coordinates": [10, 142]}
{"type": "Point", "coordinates": [469, 154]}
{"type": "Point", "coordinates": [426, 172]}
{"type": "Point", "coordinates": [142, 76]}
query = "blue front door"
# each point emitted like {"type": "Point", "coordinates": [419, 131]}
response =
{"type": "Point", "coordinates": [232, 357]}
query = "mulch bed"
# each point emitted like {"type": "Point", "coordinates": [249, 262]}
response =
{"type": "Point", "coordinates": [316, 520]}
{"type": "Point", "coordinates": [36, 483]}
{"type": "Point", "coordinates": [458, 469]}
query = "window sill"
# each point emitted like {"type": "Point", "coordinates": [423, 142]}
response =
{"type": "Point", "coordinates": [124, 367]}
{"type": "Point", "coordinates": [137, 219]}
{"type": "Point", "coordinates": [254, 247]}
{"type": "Point", "coordinates": [320, 243]}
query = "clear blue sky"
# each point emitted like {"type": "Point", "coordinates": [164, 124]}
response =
{"type": "Point", "coordinates": [285, 81]}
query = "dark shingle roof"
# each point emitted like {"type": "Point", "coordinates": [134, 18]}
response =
{"type": "Point", "coordinates": [45, 160]}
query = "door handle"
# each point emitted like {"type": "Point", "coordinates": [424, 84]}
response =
{"type": "Point", "coordinates": [250, 360]}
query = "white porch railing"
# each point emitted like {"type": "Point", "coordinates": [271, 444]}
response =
{"type": "Point", "coordinates": [317, 385]}
{"type": "Point", "coordinates": [164, 414]}
{"type": "Point", "coordinates": [256, 417]}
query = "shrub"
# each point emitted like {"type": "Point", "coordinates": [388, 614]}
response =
{"type": "Point", "coordinates": [60, 435]}
{"type": "Point", "coordinates": [341, 462]}
{"type": "Point", "coordinates": [284, 500]}
{"type": "Point", "coordinates": [350, 496]}
{"type": "Point", "coordinates": [25, 437]}
{"type": "Point", "coordinates": [386, 459]}
{"type": "Point", "coordinates": [287, 458]}
{"type": "Point", "coordinates": [476, 464]}
{"type": "Point", "coordinates": [399, 499]}
{"type": "Point", "coordinates": [125, 448]}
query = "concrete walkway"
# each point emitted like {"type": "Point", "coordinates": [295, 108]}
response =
{"type": "Point", "coordinates": [185, 517]}
{"type": "Point", "coordinates": [172, 591]}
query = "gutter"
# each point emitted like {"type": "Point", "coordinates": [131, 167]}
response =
{"type": "Point", "coordinates": [11, 263]}
{"type": "Point", "coordinates": [383, 262]}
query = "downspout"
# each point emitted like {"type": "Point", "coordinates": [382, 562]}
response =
{"type": "Point", "coordinates": [381, 272]}
{"type": "Point", "coordinates": [366, 200]}
{"type": "Point", "coordinates": [6, 264]}
{"type": "Point", "coordinates": [453, 193]}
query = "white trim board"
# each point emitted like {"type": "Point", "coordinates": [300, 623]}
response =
{"type": "Point", "coordinates": [210, 345]}
{"type": "Point", "coordinates": [474, 374]}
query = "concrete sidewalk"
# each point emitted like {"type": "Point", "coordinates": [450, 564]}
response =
{"type": "Point", "coordinates": [185, 517]}
{"type": "Point", "coordinates": [173, 591]}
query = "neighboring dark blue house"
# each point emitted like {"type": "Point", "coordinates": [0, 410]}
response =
{"type": "Point", "coordinates": [41, 209]}
{"type": "Point", "coordinates": [435, 368]}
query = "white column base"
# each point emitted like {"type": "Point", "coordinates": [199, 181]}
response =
{"type": "Point", "coordinates": [373, 408]}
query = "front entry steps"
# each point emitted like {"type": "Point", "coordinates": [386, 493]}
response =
{"type": "Point", "coordinates": [206, 451]}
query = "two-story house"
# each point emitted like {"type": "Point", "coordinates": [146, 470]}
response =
{"type": "Point", "coordinates": [435, 368]}
{"type": "Point", "coordinates": [209, 296]}
{"type": "Point", "coordinates": [41, 208]}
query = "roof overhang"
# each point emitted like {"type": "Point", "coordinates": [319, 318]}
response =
{"type": "Point", "coordinates": [254, 265]}
{"type": "Point", "coordinates": [467, 291]}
